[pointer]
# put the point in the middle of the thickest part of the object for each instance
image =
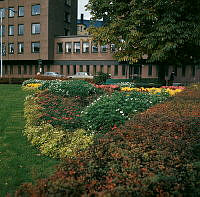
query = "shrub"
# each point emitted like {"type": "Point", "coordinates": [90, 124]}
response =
{"type": "Point", "coordinates": [101, 77]}
{"type": "Point", "coordinates": [111, 111]}
{"type": "Point", "coordinates": [70, 88]}
{"type": "Point", "coordinates": [153, 154]}
{"type": "Point", "coordinates": [57, 143]}
{"type": "Point", "coordinates": [52, 141]}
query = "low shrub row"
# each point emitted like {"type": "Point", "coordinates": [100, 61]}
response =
{"type": "Point", "coordinates": [156, 153]}
{"type": "Point", "coordinates": [44, 132]}
{"type": "Point", "coordinates": [113, 110]}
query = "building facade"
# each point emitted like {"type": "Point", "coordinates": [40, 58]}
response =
{"type": "Point", "coordinates": [29, 28]}
{"type": "Point", "coordinates": [78, 53]}
{"type": "Point", "coordinates": [40, 35]}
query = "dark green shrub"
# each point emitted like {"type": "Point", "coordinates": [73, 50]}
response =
{"type": "Point", "coordinates": [71, 88]}
{"type": "Point", "coordinates": [101, 78]}
{"type": "Point", "coordinates": [112, 110]}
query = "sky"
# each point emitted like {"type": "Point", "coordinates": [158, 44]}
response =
{"type": "Point", "coordinates": [81, 9]}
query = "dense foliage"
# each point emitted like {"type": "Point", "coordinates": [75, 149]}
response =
{"type": "Point", "coordinates": [156, 153]}
{"type": "Point", "coordinates": [112, 110]}
{"type": "Point", "coordinates": [70, 88]}
{"type": "Point", "coordinates": [167, 31]}
{"type": "Point", "coordinates": [48, 119]}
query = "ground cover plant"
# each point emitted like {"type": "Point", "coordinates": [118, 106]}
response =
{"type": "Point", "coordinates": [87, 113]}
{"type": "Point", "coordinates": [156, 153]}
{"type": "Point", "coordinates": [19, 162]}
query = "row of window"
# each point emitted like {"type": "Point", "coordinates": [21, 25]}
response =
{"type": "Point", "coordinates": [35, 29]}
{"type": "Point", "coordinates": [35, 69]}
{"type": "Point", "coordinates": [75, 47]}
{"type": "Point", "coordinates": [35, 48]}
{"type": "Point", "coordinates": [35, 10]}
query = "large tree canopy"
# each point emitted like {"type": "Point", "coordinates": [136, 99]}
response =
{"type": "Point", "coordinates": [167, 30]}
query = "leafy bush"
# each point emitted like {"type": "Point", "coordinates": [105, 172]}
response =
{"type": "Point", "coordinates": [111, 111]}
{"type": "Point", "coordinates": [101, 77]}
{"type": "Point", "coordinates": [153, 154]}
{"type": "Point", "coordinates": [70, 88]}
{"type": "Point", "coordinates": [32, 81]}
{"type": "Point", "coordinates": [52, 141]}
{"type": "Point", "coordinates": [57, 143]}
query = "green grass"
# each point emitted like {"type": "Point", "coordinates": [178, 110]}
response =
{"type": "Point", "coordinates": [19, 161]}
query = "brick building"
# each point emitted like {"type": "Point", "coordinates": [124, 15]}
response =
{"type": "Point", "coordinates": [40, 35]}
{"type": "Point", "coordinates": [29, 29]}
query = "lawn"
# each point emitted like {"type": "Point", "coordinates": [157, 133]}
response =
{"type": "Point", "coordinates": [19, 161]}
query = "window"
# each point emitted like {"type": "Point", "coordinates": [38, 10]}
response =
{"type": "Point", "coordinates": [101, 68]}
{"type": "Point", "coordinates": [94, 69]}
{"type": "Point", "coordinates": [11, 69]}
{"type": "Point", "coordinates": [30, 70]}
{"type": "Point", "coordinates": [2, 10]}
{"type": "Point", "coordinates": [3, 30]}
{"type": "Point", "coordinates": [109, 69]}
{"type": "Point", "coordinates": [85, 47]}
{"type": "Point", "coordinates": [104, 49]}
{"type": "Point", "coordinates": [74, 69]}
{"type": "Point", "coordinates": [6, 69]}
{"type": "Point", "coordinates": [193, 70]}
{"type": "Point", "coordinates": [150, 70]}
{"type": "Point", "coordinates": [67, 17]}
{"type": "Point", "coordinates": [48, 68]}
{"type": "Point", "coordinates": [11, 30]}
{"type": "Point", "coordinates": [19, 70]}
{"type": "Point", "coordinates": [68, 2]}
{"type": "Point", "coordinates": [36, 28]}
{"type": "Point", "coordinates": [81, 68]}
{"type": "Point", "coordinates": [59, 47]}
{"type": "Point", "coordinates": [21, 11]}
{"type": "Point", "coordinates": [35, 47]}
{"type": "Point", "coordinates": [11, 12]}
{"type": "Point", "coordinates": [88, 69]}
{"type": "Point", "coordinates": [61, 69]}
{"type": "Point", "coordinates": [36, 9]}
{"type": "Point", "coordinates": [136, 69]}
{"type": "Point", "coordinates": [77, 47]}
{"type": "Point", "coordinates": [68, 69]}
{"type": "Point", "coordinates": [11, 48]}
{"type": "Point", "coordinates": [3, 49]}
{"type": "Point", "coordinates": [20, 47]}
{"type": "Point", "coordinates": [68, 47]}
{"type": "Point", "coordinates": [116, 70]}
{"type": "Point", "coordinates": [20, 29]}
{"type": "Point", "coordinates": [94, 48]}
{"type": "Point", "coordinates": [25, 69]}
{"type": "Point", "coordinates": [183, 70]}
{"type": "Point", "coordinates": [124, 69]}
{"type": "Point", "coordinates": [36, 69]}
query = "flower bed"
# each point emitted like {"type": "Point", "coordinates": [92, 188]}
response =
{"type": "Point", "coordinates": [156, 153]}
{"type": "Point", "coordinates": [172, 90]}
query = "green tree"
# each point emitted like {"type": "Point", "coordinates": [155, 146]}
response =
{"type": "Point", "coordinates": [168, 31]}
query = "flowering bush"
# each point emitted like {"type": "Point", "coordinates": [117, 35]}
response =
{"type": "Point", "coordinates": [171, 91]}
{"type": "Point", "coordinates": [46, 131]}
{"type": "Point", "coordinates": [156, 153]}
{"type": "Point", "coordinates": [109, 111]}
{"type": "Point", "coordinates": [70, 88]}
{"type": "Point", "coordinates": [32, 81]}
{"type": "Point", "coordinates": [58, 111]}
{"type": "Point", "coordinates": [108, 88]}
